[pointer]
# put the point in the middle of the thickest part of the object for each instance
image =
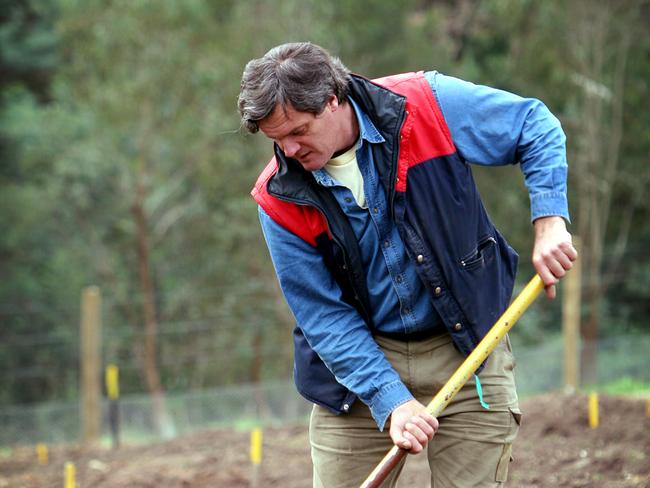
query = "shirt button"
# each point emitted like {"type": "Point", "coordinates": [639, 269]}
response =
{"type": "Point", "coordinates": [398, 278]}
{"type": "Point", "coordinates": [376, 210]}
{"type": "Point", "coordinates": [437, 290]}
{"type": "Point", "coordinates": [386, 243]}
{"type": "Point", "coordinates": [346, 407]}
{"type": "Point", "coordinates": [420, 258]}
{"type": "Point", "coordinates": [458, 327]}
{"type": "Point", "coordinates": [407, 310]}
{"type": "Point", "coordinates": [348, 200]}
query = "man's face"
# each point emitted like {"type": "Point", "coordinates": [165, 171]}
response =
{"type": "Point", "coordinates": [308, 138]}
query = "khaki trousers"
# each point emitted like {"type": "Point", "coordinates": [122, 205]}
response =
{"type": "Point", "coordinates": [473, 445]}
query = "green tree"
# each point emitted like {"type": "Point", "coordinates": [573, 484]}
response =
{"type": "Point", "coordinates": [126, 168]}
{"type": "Point", "coordinates": [28, 59]}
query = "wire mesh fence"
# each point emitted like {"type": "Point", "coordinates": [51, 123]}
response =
{"type": "Point", "coordinates": [539, 369]}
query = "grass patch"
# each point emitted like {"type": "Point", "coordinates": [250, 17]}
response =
{"type": "Point", "coordinates": [627, 386]}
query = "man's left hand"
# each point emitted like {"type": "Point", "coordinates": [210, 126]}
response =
{"type": "Point", "coordinates": [553, 252]}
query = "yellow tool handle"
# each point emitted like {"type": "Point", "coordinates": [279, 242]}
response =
{"type": "Point", "coordinates": [464, 372]}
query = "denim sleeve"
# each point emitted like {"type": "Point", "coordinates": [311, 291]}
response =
{"type": "Point", "coordinates": [333, 328]}
{"type": "Point", "coordinates": [493, 127]}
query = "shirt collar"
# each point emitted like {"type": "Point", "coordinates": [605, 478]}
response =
{"type": "Point", "coordinates": [367, 129]}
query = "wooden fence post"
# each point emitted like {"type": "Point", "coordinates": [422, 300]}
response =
{"type": "Point", "coordinates": [571, 304]}
{"type": "Point", "coordinates": [90, 357]}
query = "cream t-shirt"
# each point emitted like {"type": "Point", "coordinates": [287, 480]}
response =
{"type": "Point", "coordinates": [345, 170]}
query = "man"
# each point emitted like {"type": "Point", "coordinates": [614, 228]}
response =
{"type": "Point", "coordinates": [388, 259]}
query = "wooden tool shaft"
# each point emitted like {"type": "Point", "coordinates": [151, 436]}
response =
{"type": "Point", "coordinates": [464, 372]}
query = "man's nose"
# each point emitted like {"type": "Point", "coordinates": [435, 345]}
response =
{"type": "Point", "coordinates": [290, 147]}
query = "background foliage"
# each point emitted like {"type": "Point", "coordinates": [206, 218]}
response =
{"type": "Point", "coordinates": [122, 165]}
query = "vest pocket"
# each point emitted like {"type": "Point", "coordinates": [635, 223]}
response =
{"type": "Point", "coordinates": [477, 258]}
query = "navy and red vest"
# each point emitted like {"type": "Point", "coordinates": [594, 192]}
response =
{"type": "Point", "coordinates": [465, 263]}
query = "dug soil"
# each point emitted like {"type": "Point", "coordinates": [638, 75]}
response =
{"type": "Point", "coordinates": [555, 448]}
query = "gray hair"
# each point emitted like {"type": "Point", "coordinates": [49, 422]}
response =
{"type": "Point", "coordinates": [301, 75]}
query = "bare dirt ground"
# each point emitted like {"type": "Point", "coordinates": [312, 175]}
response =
{"type": "Point", "coordinates": [555, 448]}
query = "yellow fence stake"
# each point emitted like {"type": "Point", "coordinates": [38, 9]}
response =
{"type": "Point", "coordinates": [593, 410]}
{"type": "Point", "coordinates": [70, 475]}
{"type": "Point", "coordinates": [256, 455]}
{"type": "Point", "coordinates": [112, 382]}
{"type": "Point", "coordinates": [256, 446]}
{"type": "Point", "coordinates": [112, 378]}
{"type": "Point", "coordinates": [42, 453]}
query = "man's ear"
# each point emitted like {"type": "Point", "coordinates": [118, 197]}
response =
{"type": "Point", "coordinates": [333, 103]}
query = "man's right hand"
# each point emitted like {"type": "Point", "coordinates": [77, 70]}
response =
{"type": "Point", "coordinates": [412, 427]}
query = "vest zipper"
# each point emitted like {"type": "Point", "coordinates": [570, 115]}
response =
{"type": "Point", "coordinates": [395, 161]}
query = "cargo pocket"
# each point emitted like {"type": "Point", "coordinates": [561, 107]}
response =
{"type": "Point", "coordinates": [504, 461]}
{"type": "Point", "coordinates": [506, 455]}
{"type": "Point", "coordinates": [515, 422]}
{"type": "Point", "coordinates": [516, 414]}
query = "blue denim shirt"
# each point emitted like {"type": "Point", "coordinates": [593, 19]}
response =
{"type": "Point", "coordinates": [489, 127]}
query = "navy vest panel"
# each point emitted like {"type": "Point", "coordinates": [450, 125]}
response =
{"type": "Point", "coordinates": [445, 221]}
{"type": "Point", "coordinates": [314, 381]}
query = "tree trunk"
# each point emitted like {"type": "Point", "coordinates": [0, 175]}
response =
{"type": "Point", "coordinates": [256, 362]}
{"type": "Point", "coordinates": [600, 49]}
{"type": "Point", "coordinates": [161, 418]}
{"type": "Point", "coordinates": [460, 25]}
{"type": "Point", "coordinates": [261, 402]}
{"type": "Point", "coordinates": [589, 358]}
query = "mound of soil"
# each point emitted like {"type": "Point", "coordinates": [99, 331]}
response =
{"type": "Point", "coordinates": [555, 448]}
